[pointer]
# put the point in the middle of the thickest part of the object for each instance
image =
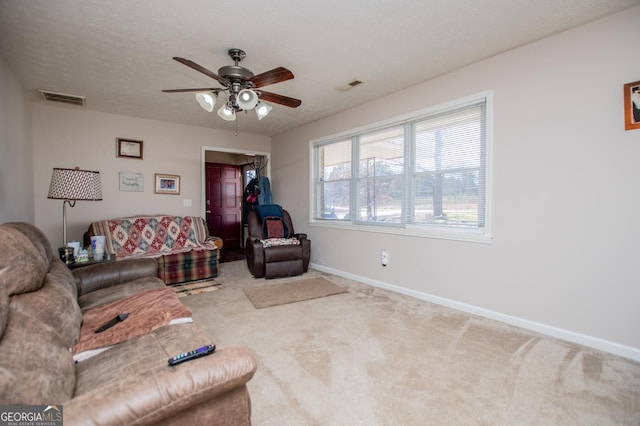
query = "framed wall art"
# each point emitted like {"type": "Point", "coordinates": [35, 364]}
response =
{"type": "Point", "coordinates": [129, 148]}
{"type": "Point", "coordinates": [632, 105]}
{"type": "Point", "coordinates": [131, 182]}
{"type": "Point", "coordinates": [167, 184]}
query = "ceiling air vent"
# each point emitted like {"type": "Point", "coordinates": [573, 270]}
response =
{"type": "Point", "coordinates": [62, 97]}
{"type": "Point", "coordinates": [350, 85]}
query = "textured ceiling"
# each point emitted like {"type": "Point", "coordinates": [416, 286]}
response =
{"type": "Point", "coordinates": [118, 53]}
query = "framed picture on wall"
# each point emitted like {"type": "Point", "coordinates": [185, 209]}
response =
{"type": "Point", "coordinates": [131, 182]}
{"type": "Point", "coordinates": [632, 105]}
{"type": "Point", "coordinates": [129, 148]}
{"type": "Point", "coordinates": [167, 184]}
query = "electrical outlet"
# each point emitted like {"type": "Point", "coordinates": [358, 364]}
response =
{"type": "Point", "coordinates": [384, 257]}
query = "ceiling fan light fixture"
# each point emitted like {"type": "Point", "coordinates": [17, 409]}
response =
{"type": "Point", "coordinates": [241, 87]}
{"type": "Point", "coordinates": [247, 99]}
{"type": "Point", "coordinates": [227, 113]}
{"type": "Point", "coordinates": [262, 110]}
{"type": "Point", "coordinates": [207, 100]}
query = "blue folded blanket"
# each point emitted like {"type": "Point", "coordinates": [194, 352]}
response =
{"type": "Point", "coordinates": [265, 210]}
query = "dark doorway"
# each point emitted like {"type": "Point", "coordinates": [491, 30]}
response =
{"type": "Point", "coordinates": [224, 202]}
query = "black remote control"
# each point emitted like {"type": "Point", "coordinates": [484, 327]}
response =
{"type": "Point", "coordinates": [113, 322]}
{"type": "Point", "coordinates": [197, 353]}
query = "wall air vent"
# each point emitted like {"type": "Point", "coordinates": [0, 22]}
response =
{"type": "Point", "coordinates": [62, 97]}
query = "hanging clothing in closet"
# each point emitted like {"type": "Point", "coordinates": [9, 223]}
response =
{"type": "Point", "coordinates": [264, 195]}
{"type": "Point", "coordinates": [250, 198]}
{"type": "Point", "coordinates": [257, 192]}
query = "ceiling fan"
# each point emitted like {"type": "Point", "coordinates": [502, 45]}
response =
{"type": "Point", "coordinates": [240, 86]}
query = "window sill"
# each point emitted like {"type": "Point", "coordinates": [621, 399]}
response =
{"type": "Point", "coordinates": [409, 231]}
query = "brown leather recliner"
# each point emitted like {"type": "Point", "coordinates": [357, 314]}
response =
{"type": "Point", "coordinates": [276, 261]}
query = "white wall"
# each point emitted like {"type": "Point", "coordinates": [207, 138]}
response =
{"type": "Point", "coordinates": [16, 177]}
{"type": "Point", "coordinates": [68, 136]}
{"type": "Point", "coordinates": [565, 198]}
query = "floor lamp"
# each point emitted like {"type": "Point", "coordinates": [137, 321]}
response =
{"type": "Point", "coordinates": [71, 185]}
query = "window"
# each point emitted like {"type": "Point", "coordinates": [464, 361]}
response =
{"type": "Point", "coordinates": [380, 183]}
{"type": "Point", "coordinates": [423, 175]}
{"type": "Point", "coordinates": [333, 180]}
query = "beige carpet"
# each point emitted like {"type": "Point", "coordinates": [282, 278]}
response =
{"type": "Point", "coordinates": [373, 357]}
{"type": "Point", "coordinates": [195, 287]}
{"type": "Point", "coordinates": [291, 292]}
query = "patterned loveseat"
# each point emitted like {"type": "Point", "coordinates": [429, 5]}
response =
{"type": "Point", "coordinates": [182, 246]}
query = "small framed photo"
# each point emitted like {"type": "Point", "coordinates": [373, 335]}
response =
{"type": "Point", "coordinates": [632, 105]}
{"type": "Point", "coordinates": [128, 148]}
{"type": "Point", "coordinates": [167, 184]}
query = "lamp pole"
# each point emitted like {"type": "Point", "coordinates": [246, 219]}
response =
{"type": "Point", "coordinates": [72, 203]}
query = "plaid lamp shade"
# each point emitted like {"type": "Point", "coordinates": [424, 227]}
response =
{"type": "Point", "coordinates": [75, 184]}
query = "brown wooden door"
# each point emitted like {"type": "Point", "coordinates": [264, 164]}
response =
{"type": "Point", "coordinates": [224, 202]}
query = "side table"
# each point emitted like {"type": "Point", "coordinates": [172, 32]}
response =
{"type": "Point", "coordinates": [92, 261]}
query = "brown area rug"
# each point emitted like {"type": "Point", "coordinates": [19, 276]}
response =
{"type": "Point", "coordinates": [195, 287]}
{"type": "Point", "coordinates": [296, 291]}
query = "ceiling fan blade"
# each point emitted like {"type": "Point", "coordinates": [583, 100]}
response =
{"type": "Point", "coordinates": [204, 89]}
{"type": "Point", "coordinates": [279, 99]}
{"type": "Point", "coordinates": [273, 76]}
{"type": "Point", "coordinates": [197, 67]}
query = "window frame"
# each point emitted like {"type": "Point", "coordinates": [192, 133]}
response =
{"type": "Point", "coordinates": [481, 235]}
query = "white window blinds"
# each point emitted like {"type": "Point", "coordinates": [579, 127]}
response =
{"type": "Point", "coordinates": [424, 173]}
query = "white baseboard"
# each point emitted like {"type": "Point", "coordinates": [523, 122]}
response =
{"type": "Point", "coordinates": [581, 339]}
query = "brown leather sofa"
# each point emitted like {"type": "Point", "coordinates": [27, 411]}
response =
{"type": "Point", "coordinates": [275, 261]}
{"type": "Point", "coordinates": [42, 306]}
